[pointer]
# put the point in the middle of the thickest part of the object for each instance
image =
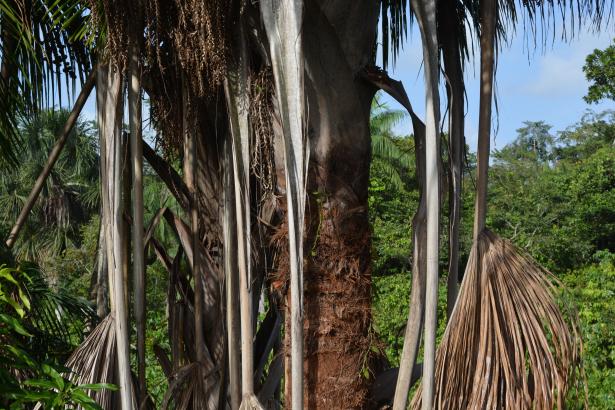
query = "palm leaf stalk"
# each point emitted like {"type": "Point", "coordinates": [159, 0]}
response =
{"type": "Point", "coordinates": [283, 21]}
{"type": "Point", "coordinates": [111, 153]}
{"type": "Point", "coordinates": [237, 88]}
{"type": "Point", "coordinates": [425, 11]}
{"type": "Point", "coordinates": [414, 326]}
{"type": "Point", "coordinates": [99, 277]}
{"type": "Point", "coordinates": [508, 345]}
{"type": "Point", "coordinates": [231, 281]}
{"type": "Point", "coordinates": [191, 385]}
{"type": "Point", "coordinates": [53, 157]}
{"type": "Point", "coordinates": [134, 107]}
{"type": "Point", "coordinates": [450, 36]}
{"type": "Point", "coordinates": [99, 357]}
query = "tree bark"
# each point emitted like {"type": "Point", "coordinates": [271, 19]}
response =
{"type": "Point", "coordinates": [337, 278]}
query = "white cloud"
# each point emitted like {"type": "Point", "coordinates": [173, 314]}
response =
{"type": "Point", "coordinates": [560, 71]}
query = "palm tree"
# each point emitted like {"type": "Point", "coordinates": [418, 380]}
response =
{"type": "Point", "coordinates": [190, 48]}
{"type": "Point", "coordinates": [381, 124]}
{"type": "Point", "coordinates": [68, 196]}
{"type": "Point", "coordinates": [43, 52]}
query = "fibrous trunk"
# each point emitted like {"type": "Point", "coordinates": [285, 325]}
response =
{"type": "Point", "coordinates": [337, 278]}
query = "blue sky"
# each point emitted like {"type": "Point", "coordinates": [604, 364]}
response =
{"type": "Point", "coordinates": [540, 85]}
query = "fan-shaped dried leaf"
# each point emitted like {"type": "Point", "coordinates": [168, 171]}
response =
{"type": "Point", "coordinates": [509, 344]}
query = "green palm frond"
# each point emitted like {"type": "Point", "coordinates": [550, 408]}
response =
{"type": "Point", "coordinates": [384, 147]}
{"type": "Point", "coordinates": [43, 54]}
{"type": "Point", "coordinates": [69, 196]}
{"type": "Point", "coordinates": [56, 318]}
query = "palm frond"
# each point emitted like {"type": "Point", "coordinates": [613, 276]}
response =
{"type": "Point", "coordinates": [540, 21]}
{"type": "Point", "coordinates": [508, 342]}
{"type": "Point", "coordinates": [383, 119]}
{"type": "Point", "coordinates": [395, 17]}
{"type": "Point", "coordinates": [384, 146]}
{"type": "Point", "coordinates": [95, 361]}
{"type": "Point", "coordinates": [57, 318]}
{"type": "Point", "coordinates": [43, 53]}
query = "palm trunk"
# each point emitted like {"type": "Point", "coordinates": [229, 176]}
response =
{"type": "Point", "coordinates": [53, 157]}
{"type": "Point", "coordinates": [138, 257]}
{"type": "Point", "coordinates": [425, 10]}
{"type": "Point", "coordinates": [449, 38]}
{"type": "Point", "coordinates": [337, 278]}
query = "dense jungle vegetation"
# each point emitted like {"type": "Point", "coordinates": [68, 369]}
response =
{"type": "Point", "coordinates": [552, 193]}
{"type": "Point", "coordinates": [239, 222]}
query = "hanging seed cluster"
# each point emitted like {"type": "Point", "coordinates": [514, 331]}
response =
{"type": "Point", "coordinates": [113, 18]}
{"type": "Point", "coordinates": [183, 40]}
{"type": "Point", "coordinates": [201, 41]}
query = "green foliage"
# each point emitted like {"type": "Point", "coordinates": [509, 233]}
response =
{"type": "Point", "coordinates": [43, 52]}
{"type": "Point", "coordinates": [555, 197]}
{"type": "Point", "coordinates": [69, 196]}
{"type": "Point", "coordinates": [25, 379]}
{"type": "Point", "coordinates": [157, 331]}
{"type": "Point", "coordinates": [390, 306]}
{"type": "Point", "coordinates": [599, 69]}
{"type": "Point", "coordinates": [594, 290]}
{"type": "Point", "coordinates": [393, 200]}
{"type": "Point", "coordinates": [552, 195]}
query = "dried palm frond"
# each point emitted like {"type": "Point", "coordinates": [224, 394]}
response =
{"type": "Point", "coordinates": [95, 362]}
{"type": "Point", "coordinates": [509, 344]}
{"type": "Point", "coordinates": [191, 387]}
